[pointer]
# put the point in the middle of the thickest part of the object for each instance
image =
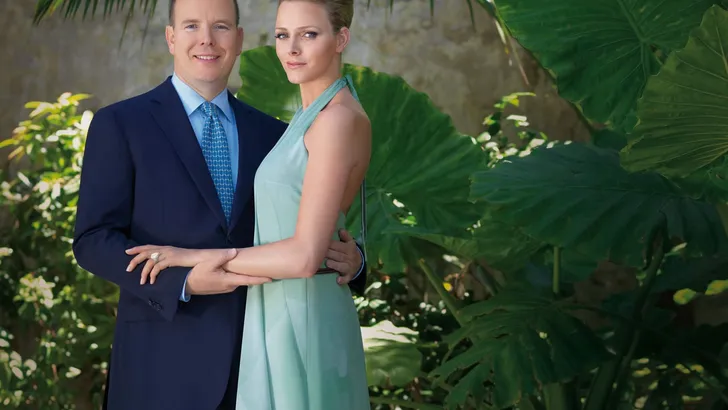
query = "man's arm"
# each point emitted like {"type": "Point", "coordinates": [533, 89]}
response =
{"type": "Point", "coordinates": [346, 256]}
{"type": "Point", "coordinates": [104, 215]}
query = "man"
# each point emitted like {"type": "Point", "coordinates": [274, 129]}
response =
{"type": "Point", "coordinates": [168, 168]}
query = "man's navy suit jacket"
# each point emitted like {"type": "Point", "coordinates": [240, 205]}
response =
{"type": "Point", "coordinates": [144, 181]}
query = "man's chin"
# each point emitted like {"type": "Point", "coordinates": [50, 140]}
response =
{"type": "Point", "coordinates": [209, 80]}
{"type": "Point", "coordinates": [211, 74]}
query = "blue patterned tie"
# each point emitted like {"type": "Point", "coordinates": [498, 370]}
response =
{"type": "Point", "coordinates": [217, 156]}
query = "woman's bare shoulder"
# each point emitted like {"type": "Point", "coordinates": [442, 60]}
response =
{"type": "Point", "coordinates": [342, 120]}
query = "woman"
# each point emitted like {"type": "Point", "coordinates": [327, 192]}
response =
{"type": "Point", "coordinates": [302, 345]}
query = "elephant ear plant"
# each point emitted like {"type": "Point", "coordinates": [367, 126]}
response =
{"type": "Point", "coordinates": [647, 193]}
{"type": "Point", "coordinates": [420, 164]}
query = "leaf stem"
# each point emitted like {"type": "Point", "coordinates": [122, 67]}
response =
{"type": "Point", "coordinates": [560, 396]}
{"type": "Point", "coordinates": [557, 270]}
{"type": "Point", "coordinates": [447, 298]}
{"type": "Point", "coordinates": [603, 390]}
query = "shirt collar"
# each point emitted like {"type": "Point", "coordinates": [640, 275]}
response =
{"type": "Point", "coordinates": [191, 100]}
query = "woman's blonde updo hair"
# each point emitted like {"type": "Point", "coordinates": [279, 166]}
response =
{"type": "Point", "coordinates": [341, 12]}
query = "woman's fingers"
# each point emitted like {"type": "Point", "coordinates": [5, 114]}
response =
{"type": "Point", "coordinates": [156, 261]}
{"type": "Point", "coordinates": [137, 260]}
{"type": "Point", "coordinates": [158, 267]}
{"type": "Point", "coordinates": [140, 248]}
{"type": "Point", "coordinates": [147, 269]}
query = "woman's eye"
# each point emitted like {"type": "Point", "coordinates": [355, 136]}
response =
{"type": "Point", "coordinates": [310, 34]}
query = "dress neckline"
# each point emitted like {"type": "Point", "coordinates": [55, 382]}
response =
{"type": "Point", "coordinates": [326, 95]}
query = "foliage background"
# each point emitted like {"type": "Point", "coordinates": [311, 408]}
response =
{"type": "Point", "coordinates": [520, 272]}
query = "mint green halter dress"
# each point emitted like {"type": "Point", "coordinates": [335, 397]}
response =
{"type": "Point", "coordinates": [302, 346]}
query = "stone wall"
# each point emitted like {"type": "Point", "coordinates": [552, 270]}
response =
{"type": "Point", "coordinates": [464, 70]}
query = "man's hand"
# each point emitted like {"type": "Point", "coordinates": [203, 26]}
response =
{"type": "Point", "coordinates": [344, 257]}
{"type": "Point", "coordinates": [209, 278]}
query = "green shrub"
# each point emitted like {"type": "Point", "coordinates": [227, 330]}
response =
{"type": "Point", "coordinates": [56, 320]}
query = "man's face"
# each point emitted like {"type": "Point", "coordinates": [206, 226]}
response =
{"type": "Point", "coordinates": [204, 41]}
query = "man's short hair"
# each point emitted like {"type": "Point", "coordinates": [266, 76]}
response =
{"type": "Point", "coordinates": [171, 12]}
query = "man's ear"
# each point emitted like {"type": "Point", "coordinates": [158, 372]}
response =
{"type": "Point", "coordinates": [241, 37]}
{"type": "Point", "coordinates": [169, 36]}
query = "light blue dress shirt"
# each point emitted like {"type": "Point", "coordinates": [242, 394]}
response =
{"type": "Point", "coordinates": [191, 101]}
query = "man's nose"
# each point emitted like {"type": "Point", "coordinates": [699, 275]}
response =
{"type": "Point", "coordinates": [206, 37]}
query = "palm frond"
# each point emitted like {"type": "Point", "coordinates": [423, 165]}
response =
{"type": "Point", "coordinates": [89, 8]}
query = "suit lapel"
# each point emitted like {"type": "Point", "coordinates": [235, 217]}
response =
{"type": "Point", "coordinates": [249, 157]}
{"type": "Point", "coordinates": [171, 117]}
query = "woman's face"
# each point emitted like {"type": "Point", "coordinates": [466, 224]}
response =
{"type": "Point", "coordinates": [306, 43]}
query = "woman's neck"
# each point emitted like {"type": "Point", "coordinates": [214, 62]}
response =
{"type": "Point", "coordinates": [311, 90]}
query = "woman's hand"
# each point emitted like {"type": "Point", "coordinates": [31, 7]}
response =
{"type": "Point", "coordinates": [159, 258]}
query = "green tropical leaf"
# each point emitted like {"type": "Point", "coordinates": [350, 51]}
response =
{"type": "Point", "coordinates": [559, 346]}
{"type": "Point", "coordinates": [265, 84]}
{"type": "Point", "coordinates": [45, 8]}
{"type": "Point", "coordinates": [724, 357]}
{"type": "Point", "coordinates": [709, 184]}
{"type": "Point", "coordinates": [420, 168]}
{"type": "Point", "coordinates": [684, 110]}
{"type": "Point", "coordinates": [502, 246]}
{"type": "Point", "coordinates": [602, 51]}
{"type": "Point", "coordinates": [607, 138]}
{"type": "Point", "coordinates": [392, 359]}
{"type": "Point", "coordinates": [581, 198]}
{"type": "Point", "coordinates": [696, 274]}
{"type": "Point", "coordinates": [573, 266]}
{"type": "Point", "coordinates": [676, 273]}
{"type": "Point", "coordinates": [86, 7]}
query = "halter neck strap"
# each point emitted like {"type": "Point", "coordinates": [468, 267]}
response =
{"type": "Point", "coordinates": [306, 118]}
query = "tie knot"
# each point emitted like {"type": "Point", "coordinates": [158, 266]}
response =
{"type": "Point", "coordinates": [208, 108]}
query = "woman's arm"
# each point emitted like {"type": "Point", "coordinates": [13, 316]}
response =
{"type": "Point", "coordinates": [338, 144]}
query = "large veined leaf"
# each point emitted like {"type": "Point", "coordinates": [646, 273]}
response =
{"type": "Point", "coordinates": [265, 85]}
{"type": "Point", "coordinates": [502, 246]}
{"type": "Point", "coordinates": [521, 340]}
{"type": "Point", "coordinates": [392, 358]}
{"type": "Point", "coordinates": [683, 112]}
{"type": "Point", "coordinates": [420, 168]}
{"type": "Point", "coordinates": [676, 273]}
{"type": "Point", "coordinates": [724, 357]}
{"type": "Point", "coordinates": [508, 249]}
{"type": "Point", "coordinates": [577, 196]}
{"type": "Point", "coordinates": [602, 51]}
{"type": "Point", "coordinates": [696, 274]}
